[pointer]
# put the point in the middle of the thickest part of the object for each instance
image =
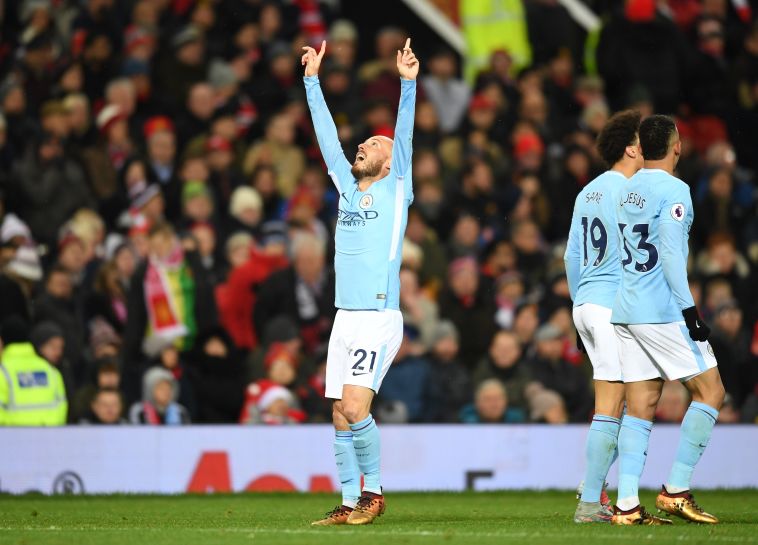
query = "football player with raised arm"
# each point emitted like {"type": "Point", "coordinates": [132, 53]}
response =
{"type": "Point", "coordinates": [594, 273]}
{"type": "Point", "coordinates": [658, 329]}
{"type": "Point", "coordinates": [375, 193]}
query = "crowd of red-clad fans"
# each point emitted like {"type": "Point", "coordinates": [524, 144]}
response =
{"type": "Point", "coordinates": [167, 223]}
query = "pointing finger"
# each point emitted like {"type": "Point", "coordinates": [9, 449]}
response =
{"type": "Point", "coordinates": [407, 44]}
{"type": "Point", "coordinates": [323, 50]}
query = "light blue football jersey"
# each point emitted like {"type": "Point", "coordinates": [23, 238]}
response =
{"type": "Point", "coordinates": [592, 253]}
{"type": "Point", "coordinates": [654, 219]}
{"type": "Point", "coordinates": [370, 224]}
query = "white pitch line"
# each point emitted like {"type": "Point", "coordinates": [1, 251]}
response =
{"type": "Point", "coordinates": [450, 534]}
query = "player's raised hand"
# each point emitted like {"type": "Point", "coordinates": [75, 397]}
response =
{"type": "Point", "coordinates": [407, 63]}
{"type": "Point", "coordinates": [312, 60]}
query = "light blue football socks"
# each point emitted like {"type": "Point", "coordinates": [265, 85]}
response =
{"type": "Point", "coordinates": [347, 467]}
{"type": "Point", "coordinates": [367, 449]}
{"type": "Point", "coordinates": [601, 451]}
{"type": "Point", "coordinates": [697, 427]}
{"type": "Point", "coordinates": [632, 444]}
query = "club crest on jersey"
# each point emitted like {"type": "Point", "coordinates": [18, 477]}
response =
{"type": "Point", "coordinates": [366, 201]}
{"type": "Point", "coordinates": [677, 212]}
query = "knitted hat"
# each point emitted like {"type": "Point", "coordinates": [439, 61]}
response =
{"type": "Point", "coordinates": [43, 332]}
{"type": "Point", "coordinates": [109, 116]}
{"type": "Point", "coordinates": [279, 351]}
{"type": "Point", "coordinates": [26, 264]}
{"type": "Point", "coordinates": [217, 143]}
{"type": "Point", "coordinates": [244, 198]}
{"type": "Point", "coordinates": [541, 400]}
{"type": "Point", "coordinates": [194, 188]}
{"type": "Point", "coordinates": [526, 143]}
{"type": "Point", "coordinates": [239, 240]}
{"type": "Point", "coordinates": [221, 74]}
{"type": "Point", "coordinates": [187, 35]}
{"type": "Point", "coordinates": [157, 123]}
{"type": "Point", "coordinates": [481, 102]}
{"type": "Point", "coordinates": [462, 264]}
{"type": "Point", "coordinates": [280, 329]}
{"type": "Point", "coordinates": [445, 329]}
{"type": "Point", "coordinates": [142, 193]}
{"type": "Point", "coordinates": [12, 227]}
{"type": "Point", "coordinates": [547, 332]}
{"type": "Point", "coordinates": [102, 333]}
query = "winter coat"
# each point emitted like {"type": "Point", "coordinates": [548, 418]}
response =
{"type": "Point", "coordinates": [277, 296]}
{"type": "Point", "coordinates": [47, 195]}
{"type": "Point", "coordinates": [236, 297]}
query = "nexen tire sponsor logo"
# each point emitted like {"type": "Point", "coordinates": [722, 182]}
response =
{"type": "Point", "coordinates": [355, 219]}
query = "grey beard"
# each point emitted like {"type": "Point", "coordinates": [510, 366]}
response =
{"type": "Point", "coordinates": [366, 170]}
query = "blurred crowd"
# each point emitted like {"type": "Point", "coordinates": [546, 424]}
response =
{"type": "Point", "coordinates": [167, 223]}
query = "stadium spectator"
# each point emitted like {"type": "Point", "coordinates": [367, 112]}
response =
{"type": "Point", "coordinates": [105, 409]}
{"type": "Point", "coordinates": [48, 187]}
{"type": "Point", "coordinates": [105, 376]}
{"type": "Point", "coordinates": [418, 310]}
{"type": "Point", "coordinates": [57, 304]}
{"type": "Point", "coordinates": [49, 343]}
{"type": "Point", "coordinates": [505, 362]}
{"type": "Point", "coordinates": [545, 406]}
{"type": "Point", "coordinates": [409, 381]}
{"type": "Point", "coordinates": [673, 404]}
{"type": "Point", "coordinates": [465, 303]}
{"type": "Point", "coordinates": [449, 94]}
{"type": "Point", "coordinates": [216, 374]}
{"type": "Point", "coordinates": [38, 396]}
{"type": "Point", "coordinates": [731, 344]}
{"type": "Point", "coordinates": [278, 150]}
{"type": "Point", "coordinates": [267, 402]}
{"type": "Point", "coordinates": [159, 406]}
{"type": "Point", "coordinates": [170, 300]}
{"type": "Point", "coordinates": [490, 406]}
{"type": "Point", "coordinates": [304, 292]}
{"type": "Point", "coordinates": [555, 373]}
{"type": "Point", "coordinates": [449, 381]}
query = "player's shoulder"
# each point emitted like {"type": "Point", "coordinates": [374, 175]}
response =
{"type": "Point", "coordinates": [659, 181]}
{"type": "Point", "coordinates": [607, 182]}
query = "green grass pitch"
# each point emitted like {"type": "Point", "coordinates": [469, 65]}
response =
{"type": "Point", "coordinates": [481, 518]}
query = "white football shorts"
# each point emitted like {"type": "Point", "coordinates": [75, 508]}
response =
{"type": "Point", "coordinates": [650, 351]}
{"type": "Point", "coordinates": [362, 346]}
{"type": "Point", "coordinates": [593, 323]}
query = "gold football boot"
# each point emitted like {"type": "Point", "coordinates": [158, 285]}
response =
{"type": "Point", "coordinates": [369, 507]}
{"type": "Point", "coordinates": [336, 516]}
{"type": "Point", "coordinates": [683, 505]}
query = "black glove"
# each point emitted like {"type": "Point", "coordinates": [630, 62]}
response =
{"type": "Point", "coordinates": [579, 343]}
{"type": "Point", "coordinates": [699, 331]}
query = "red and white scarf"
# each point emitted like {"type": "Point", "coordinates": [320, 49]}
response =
{"type": "Point", "coordinates": [164, 320]}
